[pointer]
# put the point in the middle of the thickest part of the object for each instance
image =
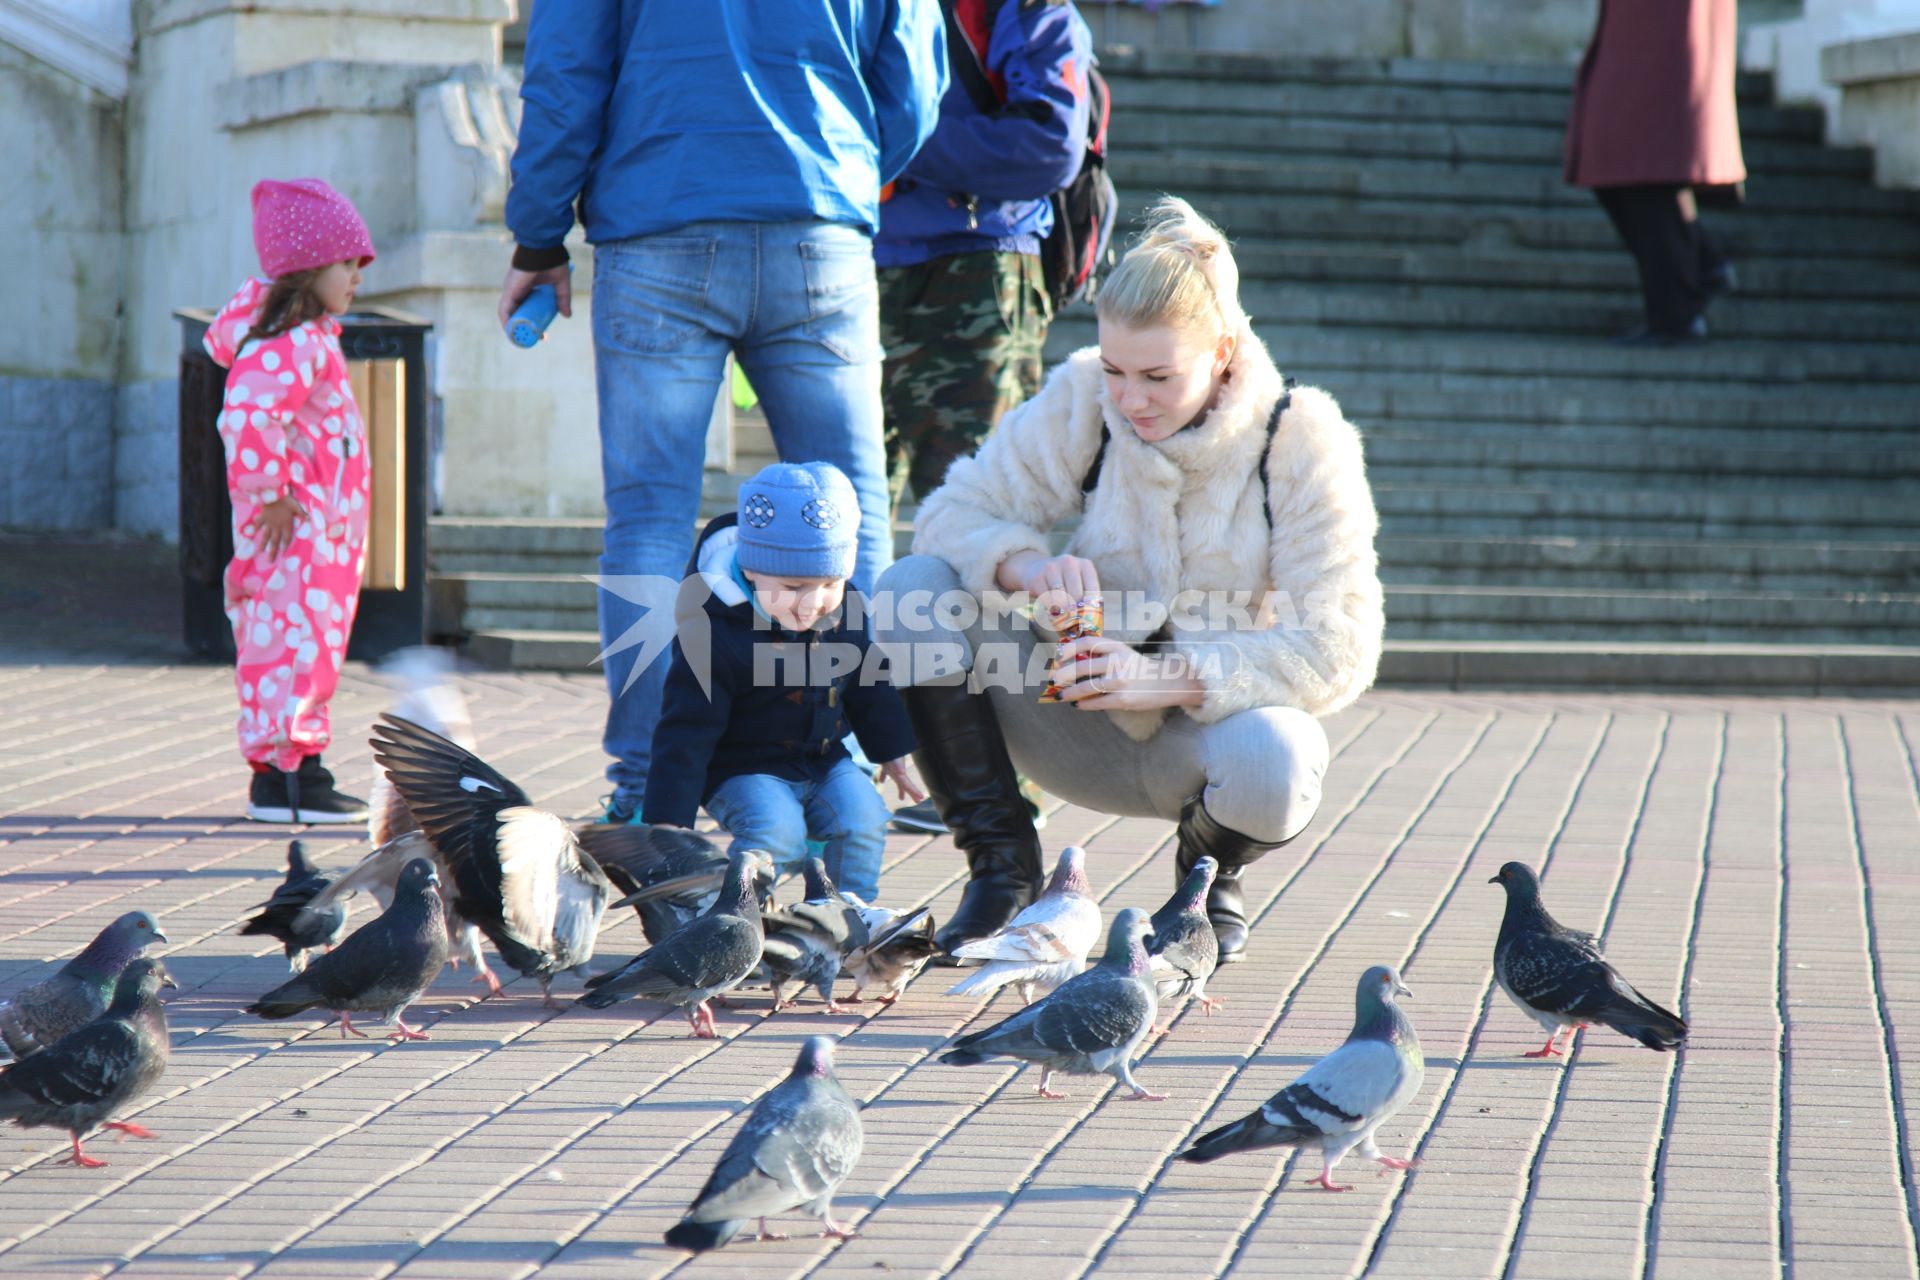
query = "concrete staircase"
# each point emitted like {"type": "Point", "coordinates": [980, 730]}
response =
{"type": "Point", "coordinates": [1555, 510]}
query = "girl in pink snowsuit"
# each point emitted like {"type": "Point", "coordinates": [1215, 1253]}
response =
{"type": "Point", "coordinates": [297, 473]}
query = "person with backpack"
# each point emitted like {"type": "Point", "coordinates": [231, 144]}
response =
{"type": "Point", "coordinates": [970, 231]}
{"type": "Point", "coordinates": [1223, 569]}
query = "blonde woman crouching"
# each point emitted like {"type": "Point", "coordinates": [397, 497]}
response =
{"type": "Point", "coordinates": [1226, 525]}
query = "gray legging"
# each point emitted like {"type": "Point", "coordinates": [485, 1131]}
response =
{"type": "Point", "coordinates": [1259, 770]}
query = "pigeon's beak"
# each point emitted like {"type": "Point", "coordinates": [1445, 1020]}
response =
{"type": "Point", "coordinates": [1402, 989]}
{"type": "Point", "coordinates": [168, 981]}
{"type": "Point", "coordinates": [1494, 878]}
{"type": "Point", "coordinates": [159, 936]}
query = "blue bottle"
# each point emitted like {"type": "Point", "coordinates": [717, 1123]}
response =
{"type": "Point", "coordinates": [530, 319]}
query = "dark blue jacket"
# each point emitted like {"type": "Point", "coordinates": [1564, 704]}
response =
{"type": "Point", "coordinates": [982, 180]}
{"type": "Point", "coordinates": [657, 113]}
{"type": "Point", "coordinates": [790, 729]}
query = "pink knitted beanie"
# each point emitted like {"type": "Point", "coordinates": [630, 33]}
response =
{"type": "Point", "coordinates": [305, 223]}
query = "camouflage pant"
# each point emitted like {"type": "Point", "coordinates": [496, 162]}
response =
{"type": "Point", "coordinates": [963, 337]}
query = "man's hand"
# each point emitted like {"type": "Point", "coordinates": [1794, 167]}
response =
{"type": "Point", "coordinates": [519, 284]}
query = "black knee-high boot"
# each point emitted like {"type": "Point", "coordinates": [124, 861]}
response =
{"type": "Point", "coordinates": [1201, 836]}
{"type": "Point", "coordinates": [963, 759]}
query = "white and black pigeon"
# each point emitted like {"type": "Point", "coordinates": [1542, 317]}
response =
{"type": "Point", "coordinates": [517, 872]}
{"type": "Point", "coordinates": [668, 875]}
{"type": "Point", "coordinates": [1343, 1098]}
{"type": "Point", "coordinates": [36, 1016]}
{"type": "Point", "coordinates": [794, 1151]}
{"type": "Point", "coordinates": [708, 956]}
{"type": "Point", "coordinates": [289, 917]}
{"type": "Point", "coordinates": [428, 697]}
{"type": "Point", "coordinates": [79, 1080]}
{"type": "Point", "coordinates": [1558, 976]}
{"type": "Point", "coordinates": [809, 942]}
{"type": "Point", "coordinates": [1045, 944]}
{"type": "Point", "coordinates": [381, 968]}
{"type": "Point", "coordinates": [1092, 1025]}
{"type": "Point", "coordinates": [900, 943]}
{"type": "Point", "coordinates": [1184, 948]}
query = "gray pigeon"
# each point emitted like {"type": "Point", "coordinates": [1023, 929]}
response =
{"type": "Point", "coordinates": [44, 1012]}
{"type": "Point", "coordinates": [1092, 1024]}
{"type": "Point", "coordinates": [382, 967]}
{"type": "Point", "coordinates": [808, 942]}
{"type": "Point", "coordinates": [1184, 948]}
{"type": "Point", "coordinates": [899, 945]}
{"type": "Point", "coordinates": [519, 873]}
{"type": "Point", "coordinates": [1558, 976]}
{"type": "Point", "coordinates": [1344, 1097]}
{"type": "Point", "coordinates": [82, 1078]}
{"type": "Point", "coordinates": [800, 1143]}
{"type": "Point", "coordinates": [668, 874]}
{"type": "Point", "coordinates": [288, 916]}
{"type": "Point", "coordinates": [706, 957]}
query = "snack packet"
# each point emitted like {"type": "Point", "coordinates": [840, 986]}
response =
{"type": "Point", "coordinates": [1087, 619]}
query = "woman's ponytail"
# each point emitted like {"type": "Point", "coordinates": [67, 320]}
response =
{"type": "Point", "coordinates": [1180, 273]}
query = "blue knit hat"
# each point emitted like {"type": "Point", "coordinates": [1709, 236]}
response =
{"type": "Point", "coordinates": [799, 521]}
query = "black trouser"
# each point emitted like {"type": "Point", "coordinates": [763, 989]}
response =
{"type": "Point", "coordinates": [1675, 254]}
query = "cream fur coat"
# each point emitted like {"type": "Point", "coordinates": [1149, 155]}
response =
{"type": "Point", "coordinates": [1183, 515]}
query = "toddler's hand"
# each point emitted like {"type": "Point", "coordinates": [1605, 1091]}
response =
{"type": "Point", "coordinates": [273, 526]}
{"type": "Point", "coordinates": [895, 771]}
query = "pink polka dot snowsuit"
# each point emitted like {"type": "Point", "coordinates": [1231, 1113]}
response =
{"type": "Point", "coordinates": [291, 427]}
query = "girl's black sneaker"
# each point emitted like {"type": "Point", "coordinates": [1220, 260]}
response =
{"type": "Point", "coordinates": [307, 796]}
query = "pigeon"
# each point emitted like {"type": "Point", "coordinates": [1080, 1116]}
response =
{"type": "Point", "coordinates": [1091, 1025]}
{"type": "Point", "coordinates": [288, 916]}
{"type": "Point", "coordinates": [668, 874]}
{"type": "Point", "coordinates": [1343, 1098]}
{"type": "Point", "coordinates": [41, 1014]}
{"type": "Point", "coordinates": [430, 699]}
{"type": "Point", "coordinates": [706, 957]}
{"type": "Point", "coordinates": [379, 872]}
{"type": "Point", "coordinates": [85, 1076]}
{"type": "Point", "coordinates": [1183, 947]}
{"type": "Point", "coordinates": [518, 872]}
{"type": "Point", "coordinates": [1558, 976]}
{"type": "Point", "coordinates": [381, 968]}
{"type": "Point", "coordinates": [794, 1151]}
{"type": "Point", "coordinates": [1045, 944]}
{"type": "Point", "coordinates": [809, 942]}
{"type": "Point", "coordinates": [900, 944]}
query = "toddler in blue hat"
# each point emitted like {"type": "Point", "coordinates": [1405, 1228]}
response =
{"type": "Point", "coordinates": [791, 668]}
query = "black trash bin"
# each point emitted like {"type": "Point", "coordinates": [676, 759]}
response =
{"type": "Point", "coordinates": [386, 354]}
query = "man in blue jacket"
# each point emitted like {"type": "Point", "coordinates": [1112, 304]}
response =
{"type": "Point", "coordinates": [963, 304]}
{"type": "Point", "coordinates": [726, 158]}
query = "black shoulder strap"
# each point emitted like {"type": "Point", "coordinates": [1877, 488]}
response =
{"type": "Point", "coordinates": [968, 62]}
{"type": "Point", "coordinates": [1280, 406]}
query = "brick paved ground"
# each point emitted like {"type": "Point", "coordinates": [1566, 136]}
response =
{"type": "Point", "coordinates": [1754, 862]}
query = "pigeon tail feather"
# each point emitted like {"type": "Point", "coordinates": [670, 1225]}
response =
{"type": "Point", "coordinates": [702, 1236]}
{"type": "Point", "coordinates": [1248, 1133]}
{"type": "Point", "coordinates": [1641, 1019]}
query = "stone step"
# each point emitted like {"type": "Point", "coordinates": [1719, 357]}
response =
{"type": "Point", "coordinates": [1410, 102]}
{"type": "Point", "coordinates": [1652, 564]}
{"type": "Point", "coordinates": [1488, 190]}
{"type": "Point", "coordinates": [1414, 224]}
{"type": "Point", "coordinates": [1294, 262]}
{"type": "Point", "coordinates": [1138, 129]}
{"type": "Point", "coordinates": [1398, 451]}
{"type": "Point", "coordinates": [1409, 509]}
{"type": "Point", "coordinates": [1459, 611]}
{"type": "Point", "coordinates": [1825, 670]}
{"type": "Point", "coordinates": [1347, 359]}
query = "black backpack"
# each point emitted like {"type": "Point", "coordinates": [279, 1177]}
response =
{"type": "Point", "coordinates": [1084, 210]}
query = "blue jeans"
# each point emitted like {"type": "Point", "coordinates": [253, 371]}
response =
{"type": "Point", "coordinates": [842, 808]}
{"type": "Point", "coordinates": [797, 304]}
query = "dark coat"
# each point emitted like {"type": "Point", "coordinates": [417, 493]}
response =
{"type": "Point", "coordinates": [790, 726]}
{"type": "Point", "coordinates": [1654, 101]}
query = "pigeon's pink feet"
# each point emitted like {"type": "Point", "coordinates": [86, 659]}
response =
{"type": "Point", "coordinates": [347, 1028]}
{"type": "Point", "coordinates": [834, 1006]}
{"type": "Point", "coordinates": [1050, 1095]}
{"type": "Point", "coordinates": [834, 1231]}
{"type": "Point", "coordinates": [887, 999]}
{"type": "Point", "coordinates": [1326, 1180]}
{"type": "Point", "coordinates": [1211, 1003]}
{"type": "Point", "coordinates": [81, 1158]}
{"type": "Point", "coordinates": [493, 984]}
{"type": "Point", "coordinates": [768, 1235]}
{"type": "Point", "coordinates": [126, 1130]}
{"type": "Point", "coordinates": [401, 1031]}
{"type": "Point", "coordinates": [1142, 1095]}
{"type": "Point", "coordinates": [1394, 1162]}
{"type": "Point", "coordinates": [1548, 1051]}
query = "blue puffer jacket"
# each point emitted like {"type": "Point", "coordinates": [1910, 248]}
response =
{"type": "Point", "coordinates": [982, 181]}
{"type": "Point", "coordinates": [657, 113]}
{"type": "Point", "coordinates": [792, 729]}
